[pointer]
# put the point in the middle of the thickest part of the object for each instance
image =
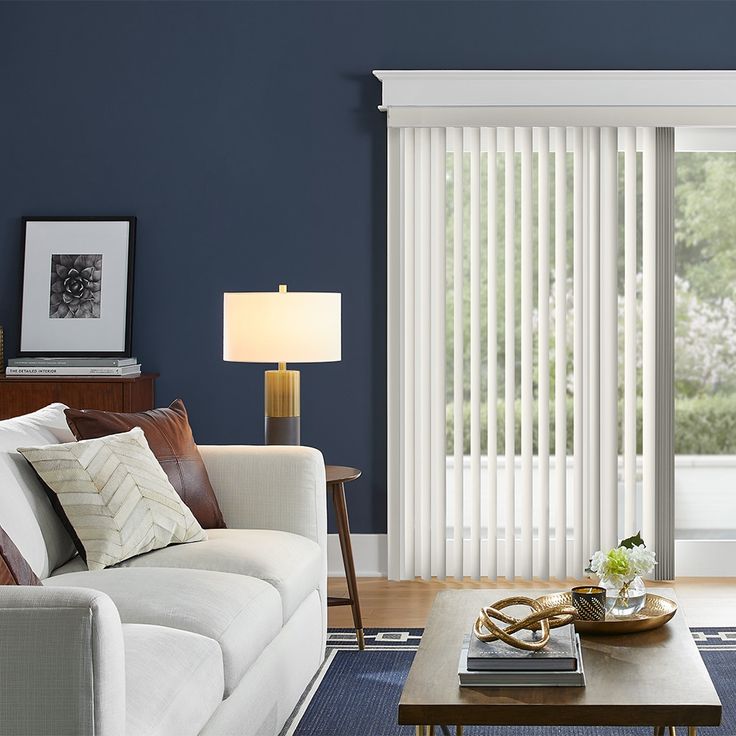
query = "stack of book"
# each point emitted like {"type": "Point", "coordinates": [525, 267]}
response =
{"type": "Point", "coordinates": [35, 367]}
{"type": "Point", "coordinates": [497, 664]}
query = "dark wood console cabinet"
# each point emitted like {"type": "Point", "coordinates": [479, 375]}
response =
{"type": "Point", "coordinates": [23, 395]}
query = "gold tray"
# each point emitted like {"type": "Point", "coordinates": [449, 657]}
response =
{"type": "Point", "coordinates": [657, 612]}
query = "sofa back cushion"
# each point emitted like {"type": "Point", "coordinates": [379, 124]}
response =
{"type": "Point", "coordinates": [14, 569]}
{"type": "Point", "coordinates": [170, 438]}
{"type": "Point", "coordinates": [25, 511]}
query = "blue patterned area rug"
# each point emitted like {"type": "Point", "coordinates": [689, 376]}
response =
{"type": "Point", "coordinates": [357, 693]}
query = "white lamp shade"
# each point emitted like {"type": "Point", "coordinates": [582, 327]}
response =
{"type": "Point", "coordinates": [288, 327]}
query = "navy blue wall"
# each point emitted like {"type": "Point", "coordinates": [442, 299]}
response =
{"type": "Point", "coordinates": [245, 138]}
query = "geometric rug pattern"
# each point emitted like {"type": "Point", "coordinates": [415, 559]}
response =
{"type": "Point", "coordinates": [357, 693]}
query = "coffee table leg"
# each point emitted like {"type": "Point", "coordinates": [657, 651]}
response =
{"type": "Point", "coordinates": [692, 731]}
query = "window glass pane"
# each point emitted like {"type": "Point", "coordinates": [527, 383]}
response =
{"type": "Point", "coordinates": [705, 345]}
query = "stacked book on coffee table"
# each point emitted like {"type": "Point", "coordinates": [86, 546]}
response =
{"type": "Point", "coordinates": [39, 367]}
{"type": "Point", "coordinates": [497, 664]}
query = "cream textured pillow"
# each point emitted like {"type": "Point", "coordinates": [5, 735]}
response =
{"type": "Point", "coordinates": [115, 496]}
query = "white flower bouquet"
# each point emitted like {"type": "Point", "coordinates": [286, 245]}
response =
{"type": "Point", "coordinates": [620, 570]}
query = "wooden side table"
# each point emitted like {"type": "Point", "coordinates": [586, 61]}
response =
{"type": "Point", "coordinates": [337, 477]}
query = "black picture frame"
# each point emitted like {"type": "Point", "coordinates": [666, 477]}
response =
{"type": "Point", "coordinates": [126, 351]}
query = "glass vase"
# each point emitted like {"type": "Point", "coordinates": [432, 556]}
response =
{"type": "Point", "coordinates": [623, 601]}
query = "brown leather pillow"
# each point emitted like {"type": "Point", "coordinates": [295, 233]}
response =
{"type": "Point", "coordinates": [14, 570]}
{"type": "Point", "coordinates": [170, 438]}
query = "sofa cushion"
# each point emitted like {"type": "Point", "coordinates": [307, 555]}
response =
{"type": "Point", "coordinates": [242, 614]}
{"type": "Point", "coordinates": [289, 562]}
{"type": "Point", "coordinates": [173, 681]}
{"type": "Point", "coordinates": [14, 569]}
{"type": "Point", "coordinates": [25, 511]}
{"type": "Point", "coordinates": [170, 438]}
{"type": "Point", "coordinates": [114, 495]}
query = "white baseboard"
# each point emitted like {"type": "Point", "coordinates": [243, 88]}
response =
{"type": "Point", "coordinates": [693, 558]}
{"type": "Point", "coordinates": [370, 555]}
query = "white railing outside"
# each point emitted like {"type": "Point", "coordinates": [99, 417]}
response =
{"type": "Point", "coordinates": [705, 494]}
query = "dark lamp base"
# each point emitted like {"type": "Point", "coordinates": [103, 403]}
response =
{"type": "Point", "coordinates": [283, 431]}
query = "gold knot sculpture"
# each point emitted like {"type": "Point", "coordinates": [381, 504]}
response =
{"type": "Point", "coordinates": [540, 619]}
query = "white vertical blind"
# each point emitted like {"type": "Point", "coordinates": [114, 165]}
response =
{"type": "Point", "coordinates": [438, 348]}
{"type": "Point", "coordinates": [560, 140]}
{"type": "Point", "coordinates": [592, 339]}
{"type": "Point", "coordinates": [394, 376]}
{"type": "Point", "coordinates": [543, 207]}
{"type": "Point", "coordinates": [510, 349]}
{"type": "Point", "coordinates": [457, 207]}
{"type": "Point", "coordinates": [421, 332]}
{"type": "Point", "coordinates": [492, 353]}
{"type": "Point", "coordinates": [609, 339]}
{"type": "Point", "coordinates": [527, 386]}
{"type": "Point", "coordinates": [475, 396]}
{"type": "Point", "coordinates": [578, 351]}
{"type": "Point", "coordinates": [630, 330]}
{"type": "Point", "coordinates": [649, 316]}
{"type": "Point", "coordinates": [408, 378]}
{"type": "Point", "coordinates": [458, 347]}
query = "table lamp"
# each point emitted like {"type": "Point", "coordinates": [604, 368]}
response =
{"type": "Point", "coordinates": [282, 327]}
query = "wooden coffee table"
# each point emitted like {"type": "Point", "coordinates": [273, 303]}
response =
{"type": "Point", "coordinates": [654, 679]}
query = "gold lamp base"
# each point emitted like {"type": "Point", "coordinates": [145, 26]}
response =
{"type": "Point", "coordinates": [282, 425]}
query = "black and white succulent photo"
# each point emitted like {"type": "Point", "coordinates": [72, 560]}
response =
{"type": "Point", "coordinates": [76, 286]}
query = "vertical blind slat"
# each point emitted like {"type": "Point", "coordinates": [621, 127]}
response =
{"type": "Point", "coordinates": [408, 343]}
{"type": "Point", "coordinates": [394, 359]}
{"type": "Point", "coordinates": [560, 139]}
{"type": "Point", "coordinates": [510, 348]}
{"type": "Point", "coordinates": [585, 317]}
{"type": "Point", "coordinates": [458, 346]}
{"type": "Point", "coordinates": [649, 316]}
{"type": "Point", "coordinates": [578, 355]}
{"type": "Point", "coordinates": [594, 343]}
{"type": "Point", "coordinates": [630, 330]}
{"type": "Point", "coordinates": [609, 339]}
{"type": "Point", "coordinates": [527, 386]}
{"type": "Point", "coordinates": [437, 363]}
{"type": "Point", "coordinates": [475, 397]}
{"type": "Point", "coordinates": [424, 354]}
{"type": "Point", "coordinates": [543, 515]}
{"type": "Point", "coordinates": [492, 356]}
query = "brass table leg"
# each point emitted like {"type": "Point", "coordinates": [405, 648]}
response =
{"type": "Point", "coordinates": [692, 731]}
{"type": "Point", "coordinates": [459, 731]}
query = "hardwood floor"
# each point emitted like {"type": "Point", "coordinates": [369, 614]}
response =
{"type": "Point", "coordinates": [703, 601]}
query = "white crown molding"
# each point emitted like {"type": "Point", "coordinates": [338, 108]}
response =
{"type": "Point", "coordinates": [588, 88]}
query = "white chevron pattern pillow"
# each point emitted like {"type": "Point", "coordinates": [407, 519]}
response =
{"type": "Point", "coordinates": [115, 496]}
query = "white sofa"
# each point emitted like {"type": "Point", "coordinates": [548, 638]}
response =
{"type": "Point", "coordinates": [214, 638]}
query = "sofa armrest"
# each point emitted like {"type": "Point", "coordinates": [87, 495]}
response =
{"type": "Point", "coordinates": [274, 487]}
{"type": "Point", "coordinates": [62, 663]}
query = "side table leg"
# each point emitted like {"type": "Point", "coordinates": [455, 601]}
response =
{"type": "Point", "coordinates": [692, 731]}
{"type": "Point", "coordinates": [343, 531]}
